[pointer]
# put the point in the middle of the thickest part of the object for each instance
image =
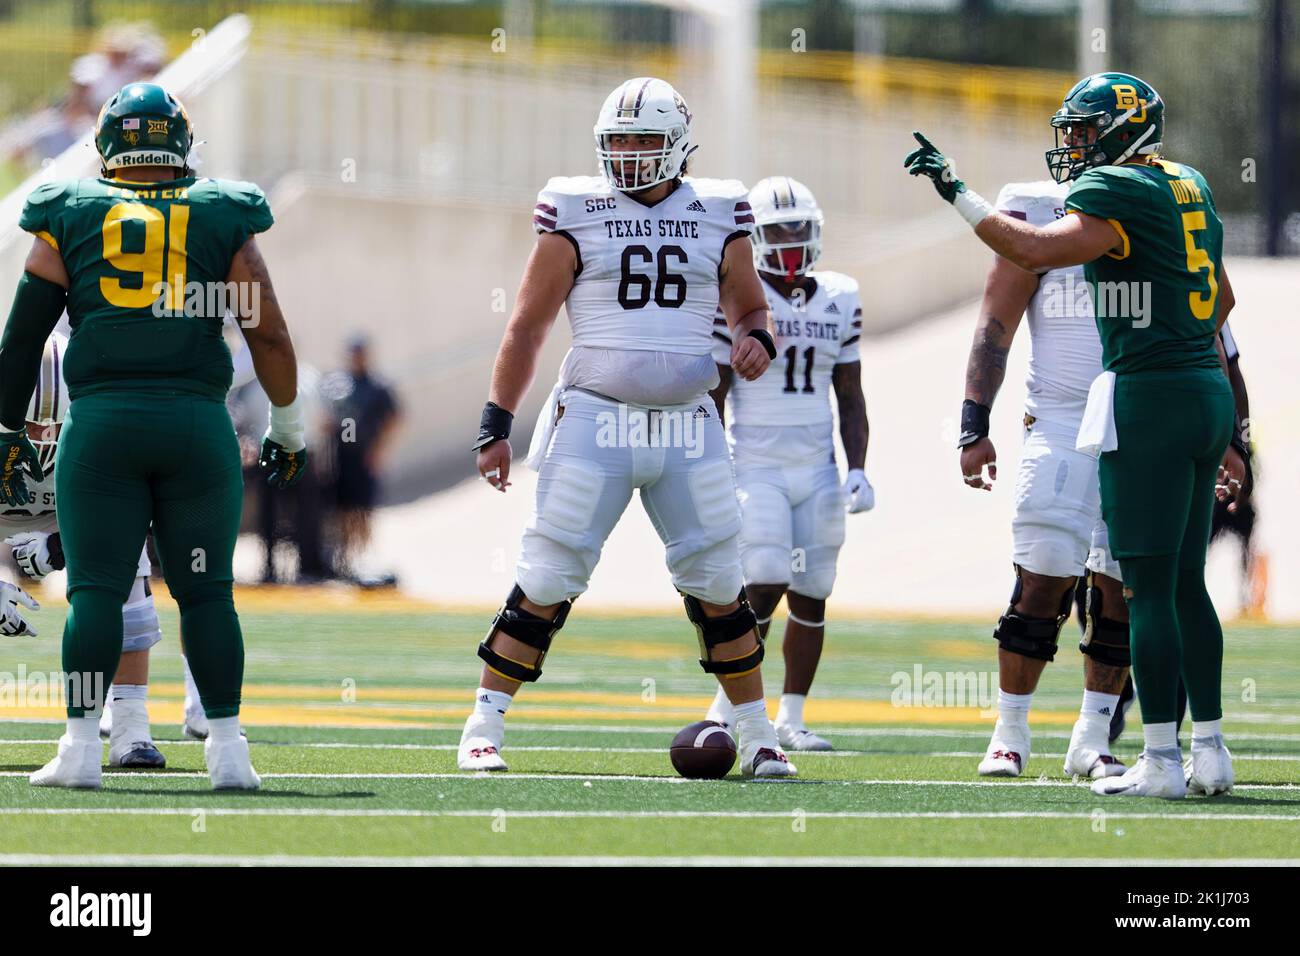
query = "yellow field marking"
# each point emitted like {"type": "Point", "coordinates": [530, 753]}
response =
{"type": "Point", "coordinates": [313, 599]}
{"type": "Point", "coordinates": [633, 650]}
{"type": "Point", "coordinates": [963, 650]}
{"type": "Point", "coordinates": [334, 599]}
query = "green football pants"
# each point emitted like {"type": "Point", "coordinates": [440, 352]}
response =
{"type": "Point", "coordinates": [1157, 494]}
{"type": "Point", "coordinates": [127, 460]}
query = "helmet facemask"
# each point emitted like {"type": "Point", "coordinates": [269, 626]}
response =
{"type": "Point", "coordinates": [788, 249]}
{"type": "Point", "coordinates": [637, 169]}
{"type": "Point", "coordinates": [44, 436]}
{"type": "Point", "coordinates": [1078, 145]}
{"type": "Point", "coordinates": [48, 405]}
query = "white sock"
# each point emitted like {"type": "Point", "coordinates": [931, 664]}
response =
{"type": "Point", "coordinates": [1096, 711]}
{"type": "Point", "coordinates": [84, 728]}
{"type": "Point", "coordinates": [130, 715]}
{"type": "Point", "coordinates": [1160, 736]}
{"type": "Point", "coordinates": [191, 688]}
{"type": "Point", "coordinates": [790, 712]}
{"type": "Point", "coordinates": [721, 709]}
{"type": "Point", "coordinates": [118, 692]}
{"type": "Point", "coordinates": [491, 704]}
{"type": "Point", "coordinates": [1013, 709]}
{"type": "Point", "coordinates": [223, 728]}
{"type": "Point", "coordinates": [752, 723]}
{"type": "Point", "coordinates": [1206, 728]}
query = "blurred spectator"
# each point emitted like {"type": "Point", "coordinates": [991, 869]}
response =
{"type": "Point", "coordinates": [125, 52]}
{"type": "Point", "coordinates": [297, 515]}
{"type": "Point", "coordinates": [366, 419]}
{"type": "Point", "coordinates": [122, 53]}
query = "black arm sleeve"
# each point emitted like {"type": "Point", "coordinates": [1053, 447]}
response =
{"type": "Point", "coordinates": [38, 303]}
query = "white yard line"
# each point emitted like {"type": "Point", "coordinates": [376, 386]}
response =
{"type": "Point", "coordinates": [667, 729]}
{"type": "Point", "coordinates": [644, 778]}
{"type": "Point", "coordinates": [633, 814]}
{"type": "Point", "coordinates": [349, 745]}
{"type": "Point", "coordinates": [190, 859]}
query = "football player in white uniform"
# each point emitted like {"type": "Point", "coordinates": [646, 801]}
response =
{"type": "Point", "coordinates": [641, 256]}
{"type": "Point", "coordinates": [1058, 533]}
{"type": "Point", "coordinates": [792, 504]}
{"type": "Point", "coordinates": [31, 535]}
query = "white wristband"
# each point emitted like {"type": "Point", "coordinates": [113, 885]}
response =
{"type": "Point", "coordinates": [286, 427]}
{"type": "Point", "coordinates": [972, 207]}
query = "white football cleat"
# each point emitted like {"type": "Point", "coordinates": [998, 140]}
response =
{"type": "Point", "coordinates": [77, 766]}
{"type": "Point", "coordinates": [800, 738]}
{"type": "Point", "coordinates": [1090, 758]}
{"type": "Point", "coordinates": [1008, 752]}
{"type": "Point", "coordinates": [480, 745]}
{"type": "Point", "coordinates": [1209, 769]}
{"type": "Point", "coordinates": [479, 753]}
{"type": "Point", "coordinates": [763, 762]}
{"type": "Point", "coordinates": [129, 742]}
{"type": "Point", "coordinates": [196, 721]}
{"type": "Point", "coordinates": [1157, 773]}
{"type": "Point", "coordinates": [228, 764]}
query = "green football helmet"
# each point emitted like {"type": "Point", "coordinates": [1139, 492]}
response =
{"type": "Point", "coordinates": [143, 125]}
{"type": "Point", "coordinates": [1126, 113]}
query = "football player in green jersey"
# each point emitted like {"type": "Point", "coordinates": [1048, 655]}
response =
{"type": "Point", "coordinates": [147, 258]}
{"type": "Point", "coordinates": [1161, 413]}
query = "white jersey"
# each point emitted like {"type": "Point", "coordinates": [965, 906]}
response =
{"type": "Point", "coordinates": [784, 417]}
{"type": "Point", "coordinates": [32, 516]}
{"type": "Point", "coordinates": [1064, 345]}
{"type": "Point", "coordinates": [646, 288]}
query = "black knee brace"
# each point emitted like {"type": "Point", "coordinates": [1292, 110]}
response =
{"type": "Point", "coordinates": [526, 627]}
{"type": "Point", "coordinates": [1105, 640]}
{"type": "Point", "coordinates": [1032, 637]}
{"type": "Point", "coordinates": [713, 631]}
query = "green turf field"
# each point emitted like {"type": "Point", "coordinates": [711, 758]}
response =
{"type": "Point", "coordinates": [354, 716]}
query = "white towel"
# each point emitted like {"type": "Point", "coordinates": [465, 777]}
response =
{"type": "Point", "coordinates": [543, 430]}
{"type": "Point", "coordinates": [1097, 431]}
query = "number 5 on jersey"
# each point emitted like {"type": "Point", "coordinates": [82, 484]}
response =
{"type": "Point", "coordinates": [163, 255]}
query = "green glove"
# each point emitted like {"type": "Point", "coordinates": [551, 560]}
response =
{"type": "Point", "coordinates": [283, 467]}
{"type": "Point", "coordinates": [928, 161]}
{"type": "Point", "coordinates": [15, 453]}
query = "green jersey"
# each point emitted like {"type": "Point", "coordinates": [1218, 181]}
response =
{"type": "Point", "coordinates": [147, 267]}
{"type": "Point", "coordinates": [1156, 298]}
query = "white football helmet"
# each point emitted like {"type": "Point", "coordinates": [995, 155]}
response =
{"type": "Point", "coordinates": [644, 106]}
{"type": "Point", "coordinates": [787, 227]}
{"type": "Point", "coordinates": [49, 403]}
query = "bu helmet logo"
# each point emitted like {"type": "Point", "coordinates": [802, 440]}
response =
{"type": "Point", "coordinates": [1126, 98]}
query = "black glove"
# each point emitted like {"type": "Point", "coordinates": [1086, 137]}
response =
{"type": "Point", "coordinates": [18, 462]}
{"type": "Point", "coordinates": [928, 161]}
{"type": "Point", "coordinates": [283, 467]}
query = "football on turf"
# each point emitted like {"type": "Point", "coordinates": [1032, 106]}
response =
{"type": "Point", "coordinates": [704, 750]}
